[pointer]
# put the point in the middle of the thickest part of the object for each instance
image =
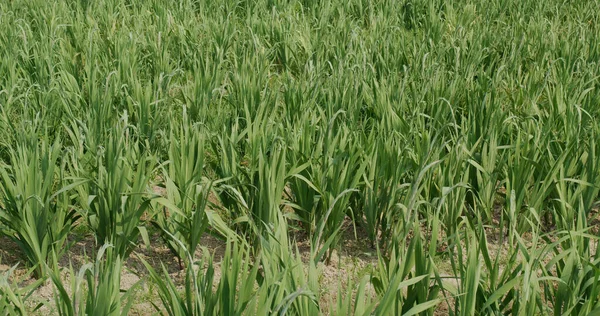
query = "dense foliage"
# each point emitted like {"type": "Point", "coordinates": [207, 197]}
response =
{"type": "Point", "coordinates": [459, 137]}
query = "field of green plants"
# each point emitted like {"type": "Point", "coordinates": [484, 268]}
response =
{"type": "Point", "coordinates": [442, 157]}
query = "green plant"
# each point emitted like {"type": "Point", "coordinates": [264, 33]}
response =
{"type": "Point", "coordinates": [36, 204]}
{"type": "Point", "coordinates": [12, 296]}
{"type": "Point", "coordinates": [95, 289]}
{"type": "Point", "coordinates": [114, 196]}
{"type": "Point", "coordinates": [188, 191]}
{"type": "Point", "coordinates": [232, 294]}
{"type": "Point", "coordinates": [273, 281]}
{"type": "Point", "coordinates": [407, 282]}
